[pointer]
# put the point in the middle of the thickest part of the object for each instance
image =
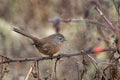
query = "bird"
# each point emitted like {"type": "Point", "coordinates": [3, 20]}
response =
{"type": "Point", "coordinates": [49, 45]}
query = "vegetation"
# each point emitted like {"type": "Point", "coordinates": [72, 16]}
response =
{"type": "Point", "coordinates": [91, 28]}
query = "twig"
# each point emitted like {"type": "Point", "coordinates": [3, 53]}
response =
{"type": "Point", "coordinates": [84, 71]}
{"type": "Point", "coordinates": [30, 70]}
{"type": "Point", "coordinates": [105, 18]}
{"type": "Point", "coordinates": [78, 70]}
{"type": "Point", "coordinates": [55, 68]}
{"type": "Point", "coordinates": [38, 70]}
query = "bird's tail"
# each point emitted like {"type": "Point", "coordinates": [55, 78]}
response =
{"type": "Point", "coordinates": [25, 34]}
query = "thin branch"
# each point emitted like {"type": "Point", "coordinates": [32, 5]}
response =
{"type": "Point", "coordinates": [55, 68]}
{"type": "Point", "coordinates": [38, 70]}
{"type": "Point", "coordinates": [94, 62]}
{"type": "Point", "coordinates": [82, 52]}
{"type": "Point", "coordinates": [30, 71]}
{"type": "Point", "coordinates": [81, 20]}
{"type": "Point", "coordinates": [4, 57]}
{"type": "Point", "coordinates": [105, 18]}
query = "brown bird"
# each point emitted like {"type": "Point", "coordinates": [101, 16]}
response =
{"type": "Point", "coordinates": [49, 45]}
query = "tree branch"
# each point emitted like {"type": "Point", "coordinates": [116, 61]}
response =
{"type": "Point", "coordinates": [80, 20]}
{"type": "Point", "coordinates": [82, 52]}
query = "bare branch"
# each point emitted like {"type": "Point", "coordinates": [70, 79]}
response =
{"type": "Point", "coordinates": [82, 20]}
{"type": "Point", "coordinates": [82, 52]}
{"type": "Point", "coordinates": [105, 18]}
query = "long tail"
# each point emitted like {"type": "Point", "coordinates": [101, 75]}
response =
{"type": "Point", "coordinates": [25, 34]}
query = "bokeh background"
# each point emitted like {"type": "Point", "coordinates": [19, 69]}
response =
{"type": "Point", "coordinates": [33, 16]}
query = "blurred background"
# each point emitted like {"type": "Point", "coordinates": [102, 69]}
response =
{"type": "Point", "coordinates": [33, 16]}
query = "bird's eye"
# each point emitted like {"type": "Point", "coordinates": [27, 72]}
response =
{"type": "Point", "coordinates": [60, 38]}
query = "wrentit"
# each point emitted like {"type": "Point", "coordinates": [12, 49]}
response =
{"type": "Point", "coordinates": [49, 45]}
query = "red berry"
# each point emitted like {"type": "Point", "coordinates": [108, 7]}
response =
{"type": "Point", "coordinates": [98, 49]}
